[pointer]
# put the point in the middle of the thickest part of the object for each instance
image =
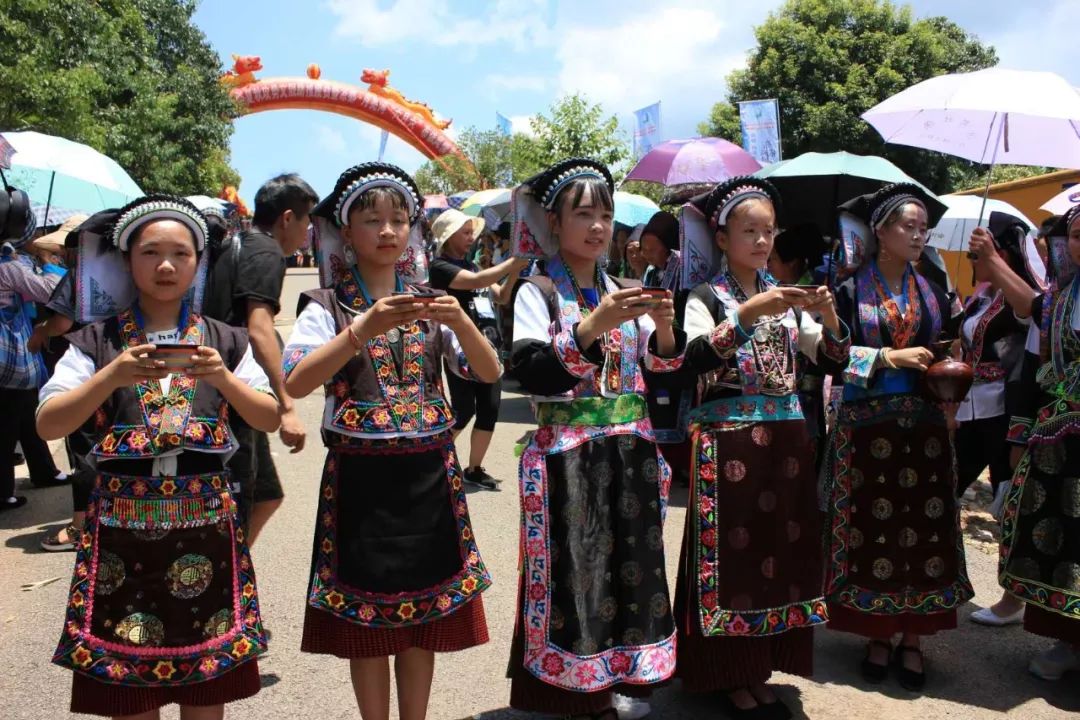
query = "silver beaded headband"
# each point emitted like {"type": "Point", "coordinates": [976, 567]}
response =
{"type": "Point", "coordinates": [548, 199]}
{"type": "Point", "coordinates": [155, 210]}
{"type": "Point", "coordinates": [882, 213]}
{"type": "Point", "coordinates": [369, 182]}
{"type": "Point", "coordinates": [1072, 222]}
{"type": "Point", "coordinates": [733, 198]}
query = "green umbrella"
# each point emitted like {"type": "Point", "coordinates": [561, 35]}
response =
{"type": "Point", "coordinates": [814, 184]}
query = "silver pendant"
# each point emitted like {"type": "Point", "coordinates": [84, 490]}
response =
{"type": "Point", "coordinates": [393, 335]}
{"type": "Point", "coordinates": [789, 320]}
{"type": "Point", "coordinates": [760, 334]}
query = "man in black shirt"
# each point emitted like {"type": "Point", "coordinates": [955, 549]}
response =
{"type": "Point", "coordinates": [244, 290]}
{"type": "Point", "coordinates": [451, 271]}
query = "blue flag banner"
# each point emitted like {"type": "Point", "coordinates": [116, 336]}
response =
{"type": "Point", "coordinates": [646, 129]}
{"type": "Point", "coordinates": [382, 144]}
{"type": "Point", "coordinates": [503, 124]}
{"type": "Point", "coordinates": [760, 121]}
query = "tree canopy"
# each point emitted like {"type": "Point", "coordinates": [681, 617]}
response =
{"type": "Point", "coordinates": [572, 128]}
{"type": "Point", "coordinates": [135, 79]}
{"type": "Point", "coordinates": [829, 61]}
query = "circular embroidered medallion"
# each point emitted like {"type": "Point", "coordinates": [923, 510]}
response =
{"type": "Point", "coordinates": [855, 538]}
{"type": "Point", "coordinates": [791, 468]}
{"type": "Point", "coordinates": [659, 606]}
{"type": "Point", "coordinates": [768, 567]}
{"type": "Point", "coordinates": [1033, 497]}
{"type": "Point", "coordinates": [1047, 536]}
{"type": "Point", "coordinates": [1025, 568]}
{"type": "Point", "coordinates": [629, 505]}
{"type": "Point", "coordinates": [794, 531]}
{"type": "Point", "coordinates": [932, 448]}
{"type": "Point", "coordinates": [650, 470]}
{"type": "Point", "coordinates": [761, 435]}
{"type": "Point", "coordinates": [883, 568]}
{"type": "Point", "coordinates": [189, 576]}
{"type": "Point", "coordinates": [630, 573]}
{"type": "Point", "coordinates": [935, 507]}
{"type": "Point", "coordinates": [218, 624]}
{"type": "Point", "coordinates": [857, 479]}
{"type": "Point", "coordinates": [603, 474]}
{"type": "Point", "coordinates": [908, 538]}
{"type": "Point", "coordinates": [141, 629]}
{"type": "Point", "coordinates": [1067, 576]}
{"type": "Point", "coordinates": [738, 538]}
{"type": "Point", "coordinates": [734, 471]}
{"type": "Point", "coordinates": [881, 448]}
{"type": "Point", "coordinates": [609, 608]}
{"type": "Point", "coordinates": [767, 501]}
{"type": "Point", "coordinates": [934, 567]}
{"type": "Point", "coordinates": [110, 573]}
{"type": "Point", "coordinates": [882, 509]}
{"type": "Point", "coordinates": [908, 478]}
{"type": "Point", "coordinates": [1049, 459]}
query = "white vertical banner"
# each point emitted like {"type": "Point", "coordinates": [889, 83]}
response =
{"type": "Point", "coordinates": [382, 143]}
{"type": "Point", "coordinates": [646, 129]}
{"type": "Point", "coordinates": [760, 120]}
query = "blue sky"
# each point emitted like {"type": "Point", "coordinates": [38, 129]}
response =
{"type": "Point", "coordinates": [469, 59]}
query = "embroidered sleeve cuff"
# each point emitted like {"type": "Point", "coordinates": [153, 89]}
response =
{"type": "Point", "coordinates": [1019, 430]}
{"type": "Point", "coordinates": [862, 361]}
{"type": "Point", "coordinates": [727, 337]}
{"type": "Point", "coordinates": [293, 355]}
{"type": "Point", "coordinates": [570, 355]}
{"type": "Point", "coordinates": [660, 364]}
{"type": "Point", "coordinates": [833, 347]}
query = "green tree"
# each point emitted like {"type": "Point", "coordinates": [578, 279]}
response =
{"type": "Point", "coordinates": [577, 128]}
{"type": "Point", "coordinates": [829, 61]}
{"type": "Point", "coordinates": [134, 79]}
{"type": "Point", "coordinates": [490, 160]}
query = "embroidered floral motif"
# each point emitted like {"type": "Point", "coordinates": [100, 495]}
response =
{"type": "Point", "coordinates": [381, 610]}
{"type": "Point", "coordinates": [861, 364]}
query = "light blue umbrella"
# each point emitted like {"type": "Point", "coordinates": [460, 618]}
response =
{"type": "Point", "coordinates": [631, 209]}
{"type": "Point", "coordinates": [66, 176]}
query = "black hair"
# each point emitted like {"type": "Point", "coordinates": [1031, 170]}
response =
{"type": "Point", "coordinates": [1047, 225]}
{"type": "Point", "coordinates": [368, 198]}
{"type": "Point", "coordinates": [281, 193]}
{"type": "Point", "coordinates": [575, 191]}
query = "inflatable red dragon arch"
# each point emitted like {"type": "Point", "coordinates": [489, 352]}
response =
{"type": "Point", "coordinates": [378, 104]}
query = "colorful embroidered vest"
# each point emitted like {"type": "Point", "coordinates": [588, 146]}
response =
{"type": "Point", "coordinates": [377, 395]}
{"type": "Point", "coordinates": [142, 422]}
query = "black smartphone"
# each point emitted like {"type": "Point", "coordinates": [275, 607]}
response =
{"type": "Point", "coordinates": [176, 356]}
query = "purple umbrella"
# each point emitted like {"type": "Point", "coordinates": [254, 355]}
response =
{"type": "Point", "coordinates": [697, 160]}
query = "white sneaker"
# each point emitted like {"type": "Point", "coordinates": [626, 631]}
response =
{"type": "Point", "coordinates": [1055, 662]}
{"type": "Point", "coordinates": [629, 708]}
{"type": "Point", "coordinates": [987, 616]}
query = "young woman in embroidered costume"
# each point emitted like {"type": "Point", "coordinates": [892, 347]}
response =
{"type": "Point", "coordinates": [1040, 538]}
{"type": "Point", "coordinates": [895, 555]}
{"type": "Point", "coordinates": [993, 339]}
{"type": "Point", "coordinates": [594, 615]}
{"type": "Point", "coordinates": [403, 576]}
{"type": "Point", "coordinates": [163, 605]}
{"type": "Point", "coordinates": [749, 588]}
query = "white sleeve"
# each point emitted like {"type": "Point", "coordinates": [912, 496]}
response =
{"type": "Point", "coordinates": [250, 372]}
{"type": "Point", "coordinates": [532, 321]}
{"type": "Point", "coordinates": [698, 320]}
{"type": "Point", "coordinates": [1034, 338]}
{"type": "Point", "coordinates": [810, 331]}
{"type": "Point", "coordinates": [314, 328]}
{"type": "Point", "coordinates": [646, 328]}
{"type": "Point", "coordinates": [74, 369]}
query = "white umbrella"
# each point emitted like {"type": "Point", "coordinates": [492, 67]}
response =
{"type": "Point", "coordinates": [1060, 203]}
{"type": "Point", "coordinates": [953, 231]}
{"type": "Point", "coordinates": [988, 116]}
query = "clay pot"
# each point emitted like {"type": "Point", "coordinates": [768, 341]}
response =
{"type": "Point", "coordinates": [948, 380]}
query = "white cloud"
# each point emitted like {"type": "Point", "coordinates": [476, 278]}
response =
{"type": "Point", "coordinates": [329, 139]}
{"type": "Point", "coordinates": [439, 22]}
{"type": "Point", "coordinates": [521, 124]}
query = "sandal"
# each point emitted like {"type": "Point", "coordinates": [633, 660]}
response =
{"type": "Point", "coordinates": [873, 672]}
{"type": "Point", "coordinates": [909, 679]}
{"type": "Point", "coordinates": [53, 543]}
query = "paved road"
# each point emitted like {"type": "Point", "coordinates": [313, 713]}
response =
{"type": "Point", "coordinates": [977, 672]}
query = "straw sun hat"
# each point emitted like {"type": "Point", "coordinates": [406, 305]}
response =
{"type": "Point", "coordinates": [449, 222]}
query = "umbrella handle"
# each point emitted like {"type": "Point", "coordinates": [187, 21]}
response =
{"type": "Point", "coordinates": [1002, 128]}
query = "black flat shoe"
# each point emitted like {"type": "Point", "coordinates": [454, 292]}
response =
{"type": "Point", "coordinates": [872, 672]}
{"type": "Point", "coordinates": [909, 679]}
